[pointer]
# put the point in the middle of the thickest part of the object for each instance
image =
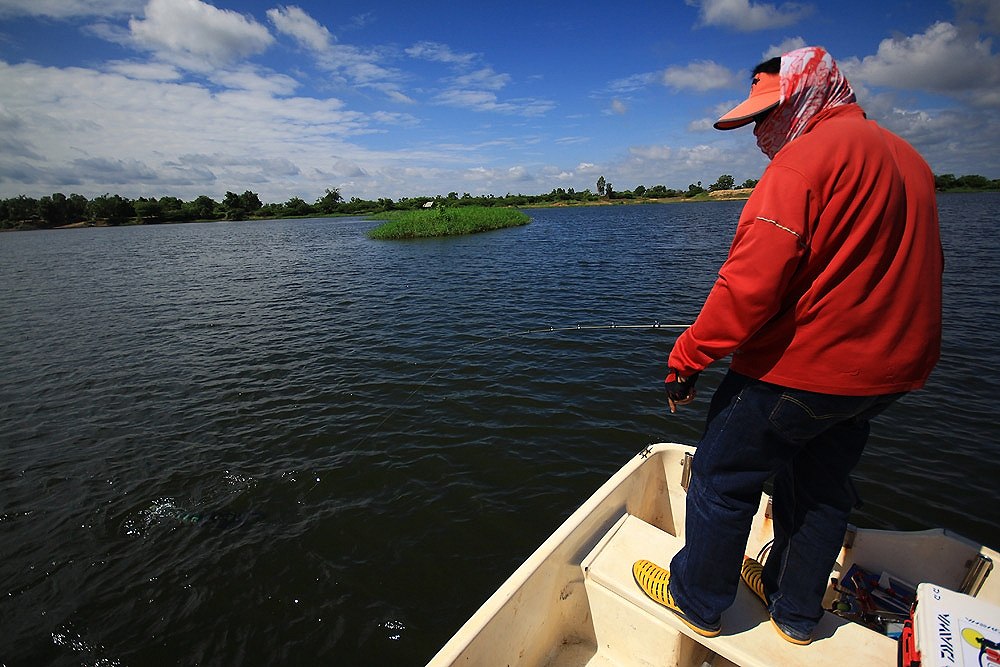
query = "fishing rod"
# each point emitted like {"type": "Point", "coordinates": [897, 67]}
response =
{"type": "Point", "coordinates": [581, 327]}
{"type": "Point", "coordinates": [512, 334]}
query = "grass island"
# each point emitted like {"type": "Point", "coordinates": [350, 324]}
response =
{"type": "Point", "coordinates": [445, 221]}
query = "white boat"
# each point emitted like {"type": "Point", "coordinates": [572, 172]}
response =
{"type": "Point", "coordinates": [574, 601]}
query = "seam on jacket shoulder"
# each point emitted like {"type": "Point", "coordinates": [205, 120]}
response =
{"type": "Point", "coordinates": [798, 237]}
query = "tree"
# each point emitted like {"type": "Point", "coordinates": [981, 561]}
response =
{"type": "Point", "coordinates": [725, 182]}
{"type": "Point", "coordinates": [20, 209]}
{"type": "Point", "coordinates": [750, 183]}
{"type": "Point", "coordinates": [54, 210]}
{"type": "Point", "coordinates": [111, 208]}
{"type": "Point", "coordinates": [640, 190]}
{"type": "Point", "coordinates": [601, 185]}
{"type": "Point", "coordinates": [234, 207]}
{"type": "Point", "coordinates": [944, 181]}
{"type": "Point", "coordinates": [609, 191]}
{"type": "Point", "coordinates": [329, 202]}
{"type": "Point", "coordinates": [973, 182]}
{"type": "Point", "coordinates": [694, 189]}
{"type": "Point", "coordinates": [296, 206]}
{"type": "Point", "coordinates": [148, 210]}
{"type": "Point", "coordinates": [202, 208]}
{"type": "Point", "coordinates": [250, 201]}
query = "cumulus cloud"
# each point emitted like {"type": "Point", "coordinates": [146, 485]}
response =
{"type": "Point", "coordinates": [197, 35]}
{"type": "Point", "coordinates": [304, 29]}
{"type": "Point", "coordinates": [985, 13]}
{"type": "Point", "coordinates": [700, 76]}
{"type": "Point", "coordinates": [349, 65]}
{"type": "Point", "coordinates": [934, 135]}
{"type": "Point", "coordinates": [747, 16]}
{"type": "Point", "coordinates": [90, 128]}
{"type": "Point", "coordinates": [943, 59]}
{"type": "Point", "coordinates": [784, 47]}
{"type": "Point", "coordinates": [727, 154]}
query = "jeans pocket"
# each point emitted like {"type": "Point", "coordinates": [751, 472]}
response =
{"type": "Point", "coordinates": [803, 415]}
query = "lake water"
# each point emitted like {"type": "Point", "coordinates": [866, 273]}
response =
{"type": "Point", "coordinates": [281, 443]}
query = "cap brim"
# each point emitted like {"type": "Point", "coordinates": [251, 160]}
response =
{"type": "Point", "coordinates": [743, 114]}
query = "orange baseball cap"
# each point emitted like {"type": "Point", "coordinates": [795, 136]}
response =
{"type": "Point", "coordinates": [765, 94]}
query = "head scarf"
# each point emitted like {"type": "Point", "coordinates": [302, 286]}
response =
{"type": "Point", "coordinates": [810, 83]}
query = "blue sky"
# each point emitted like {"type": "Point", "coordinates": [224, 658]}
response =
{"type": "Point", "coordinates": [394, 99]}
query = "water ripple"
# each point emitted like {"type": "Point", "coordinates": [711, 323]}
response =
{"type": "Point", "coordinates": [277, 443]}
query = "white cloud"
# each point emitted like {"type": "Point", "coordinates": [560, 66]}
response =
{"type": "Point", "coordinates": [782, 48]}
{"type": "Point", "coordinates": [477, 89]}
{"type": "Point", "coordinates": [147, 135]}
{"type": "Point", "coordinates": [489, 177]}
{"type": "Point", "coordinates": [306, 30]}
{"type": "Point", "coordinates": [943, 137]}
{"type": "Point", "coordinates": [197, 35]}
{"type": "Point", "coordinates": [147, 71]}
{"type": "Point", "coordinates": [927, 62]}
{"type": "Point", "coordinates": [255, 79]}
{"type": "Point", "coordinates": [701, 76]}
{"type": "Point", "coordinates": [482, 78]}
{"type": "Point", "coordinates": [635, 82]}
{"type": "Point", "coordinates": [747, 16]}
{"type": "Point", "coordinates": [127, 130]}
{"type": "Point", "coordinates": [651, 152]}
{"type": "Point", "coordinates": [397, 96]}
{"type": "Point", "coordinates": [441, 53]}
{"type": "Point", "coordinates": [702, 125]}
{"type": "Point", "coordinates": [618, 107]}
{"type": "Point", "coordinates": [62, 9]}
{"type": "Point", "coordinates": [485, 100]}
{"type": "Point", "coordinates": [683, 165]}
{"type": "Point", "coordinates": [352, 66]}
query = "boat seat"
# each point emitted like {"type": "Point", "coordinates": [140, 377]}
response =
{"type": "Point", "coordinates": [747, 635]}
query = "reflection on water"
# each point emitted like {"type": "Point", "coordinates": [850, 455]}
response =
{"type": "Point", "coordinates": [282, 443]}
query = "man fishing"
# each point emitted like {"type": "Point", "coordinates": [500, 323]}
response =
{"type": "Point", "coordinates": [830, 305]}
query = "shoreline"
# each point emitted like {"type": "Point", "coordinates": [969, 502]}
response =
{"type": "Point", "coordinates": [739, 194]}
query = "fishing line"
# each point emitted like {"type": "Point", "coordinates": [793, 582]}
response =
{"type": "Point", "coordinates": [493, 339]}
{"type": "Point", "coordinates": [515, 334]}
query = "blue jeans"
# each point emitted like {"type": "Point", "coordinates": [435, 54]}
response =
{"type": "Point", "coordinates": [809, 443]}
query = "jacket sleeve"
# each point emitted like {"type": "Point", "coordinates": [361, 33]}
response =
{"type": "Point", "coordinates": [771, 240]}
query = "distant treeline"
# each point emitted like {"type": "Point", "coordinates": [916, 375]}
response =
{"type": "Point", "coordinates": [59, 210]}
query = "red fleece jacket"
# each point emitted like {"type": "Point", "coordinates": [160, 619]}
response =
{"type": "Point", "coordinates": [833, 280]}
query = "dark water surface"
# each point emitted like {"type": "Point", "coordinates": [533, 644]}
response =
{"type": "Point", "coordinates": [280, 443]}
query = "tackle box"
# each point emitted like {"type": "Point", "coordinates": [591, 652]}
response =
{"type": "Point", "coordinates": [949, 629]}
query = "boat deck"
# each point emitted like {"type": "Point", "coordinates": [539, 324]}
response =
{"type": "Point", "coordinates": [574, 603]}
{"type": "Point", "coordinates": [632, 629]}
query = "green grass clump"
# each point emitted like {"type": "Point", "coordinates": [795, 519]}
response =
{"type": "Point", "coordinates": [445, 222]}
